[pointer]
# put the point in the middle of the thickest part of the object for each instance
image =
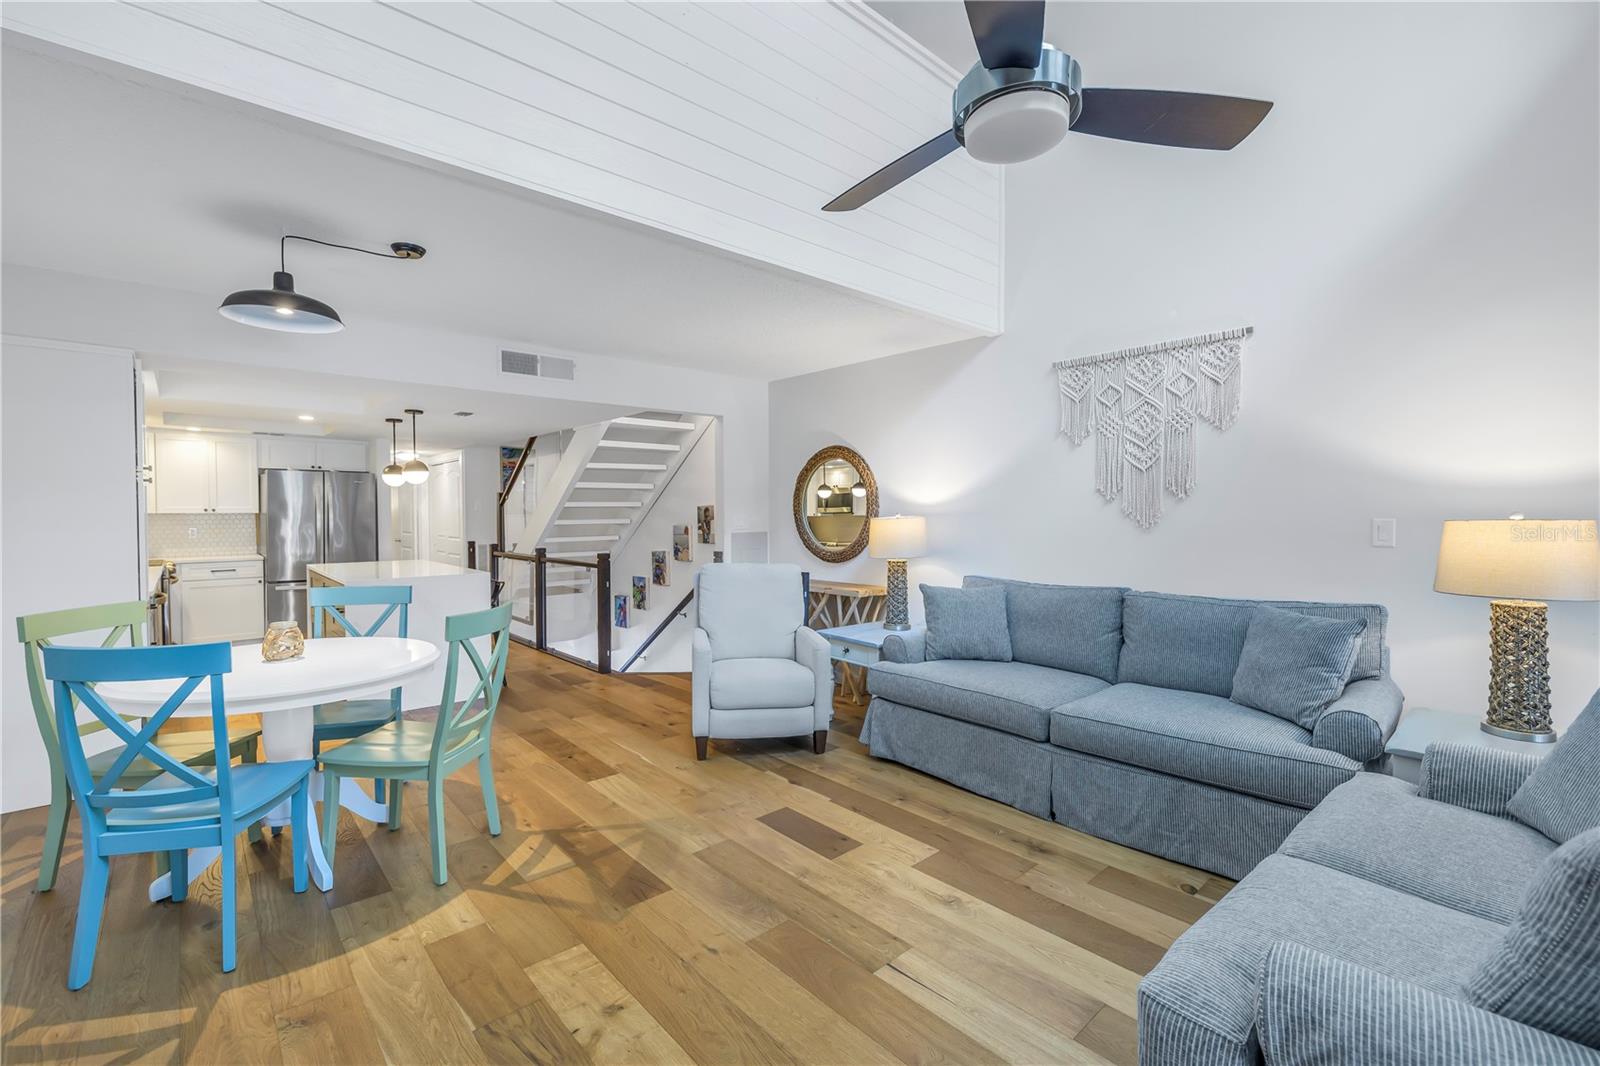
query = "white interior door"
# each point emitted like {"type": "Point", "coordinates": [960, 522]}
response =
{"type": "Point", "coordinates": [405, 521]}
{"type": "Point", "coordinates": [444, 513]}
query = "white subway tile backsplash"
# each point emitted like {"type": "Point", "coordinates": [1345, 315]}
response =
{"type": "Point", "coordinates": [214, 534]}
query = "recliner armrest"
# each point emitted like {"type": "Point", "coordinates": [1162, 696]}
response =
{"type": "Point", "coordinates": [908, 646]}
{"type": "Point", "coordinates": [1479, 779]}
{"type": "Point", "coordinates": [700, 683]}
{"type": "Point", "coordinates": [1360, 722]}
{"type": "Point", "coordinates": [1316, 1010]}
{"type": "Point", "coordinates": [811, 651]}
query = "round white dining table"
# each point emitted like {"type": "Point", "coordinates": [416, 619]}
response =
{"type": "Point", "coordinates": [283, 694]}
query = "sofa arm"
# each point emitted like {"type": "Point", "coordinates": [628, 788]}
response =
{"type": "Point", "coordinates": [700, 684]}
{"type": "Point", "coordinates": [1316, 1010]}
{"type": "Point", "coordinates": [908, 646]}
{"type": "Point", "coordinates": [1360, 722]}
{"type": "Point", "coordinates": [1479, 779]}
{"type": "Point", "coordinates": [811, 651]}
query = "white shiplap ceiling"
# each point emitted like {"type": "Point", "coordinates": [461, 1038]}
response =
{"type": "Point", "coordinates": [124, 175]}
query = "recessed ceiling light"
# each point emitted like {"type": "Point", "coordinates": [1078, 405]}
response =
{"type": "Point", "coordinates": [307, 418]}
{"type": "Point", "coordinates": [192, 429]}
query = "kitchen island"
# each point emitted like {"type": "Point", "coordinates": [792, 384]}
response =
{"type": "Point", "coordinates": [438, 590]}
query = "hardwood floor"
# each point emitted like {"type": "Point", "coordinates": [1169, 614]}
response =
{"type": "Point", "coordinates": [767, 905]}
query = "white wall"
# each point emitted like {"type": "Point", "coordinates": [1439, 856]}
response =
{"type": "Point", "coordinates": [67, 518]}
{"type": "Point", "coordinates": [1415, 243]}
{"type": "Point", "coordinates": [177, 323]}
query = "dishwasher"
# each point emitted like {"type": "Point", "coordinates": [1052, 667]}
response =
{"type": "Point", "coordinates": [217, 601]}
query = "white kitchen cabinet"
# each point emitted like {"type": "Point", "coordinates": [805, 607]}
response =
{"type": "Point", "coordinates": [183, 475]}
{"type": "Point", "coordinates": [288, 453]}
{"type": "Point", "coordinates": [310, 453]}
{"type": "Point", "coordinates": [342, 455]}
{"type": "Point", "coordinates": [197, 474]}
{"type": "Point", "coordinates": [221, 608]}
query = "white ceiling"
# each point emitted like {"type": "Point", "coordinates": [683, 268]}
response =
{"type": "Point", "coordinates": [113, 173]}
{"type": "Point", "coordinates": [214, 396]}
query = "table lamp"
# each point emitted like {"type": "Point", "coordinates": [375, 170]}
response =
{"type": "Point", "coordinates": [897, 538]}
{"type": "Point", "coordinates": [1518, 563]}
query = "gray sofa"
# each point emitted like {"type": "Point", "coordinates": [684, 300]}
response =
{"type": "Point", "coordinates": [1113, 718]}
{"type": "Point", "coordinates": [1427, 924]}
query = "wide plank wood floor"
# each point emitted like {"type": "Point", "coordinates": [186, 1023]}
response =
{"type": "Point", "coordinates": [767, 905]}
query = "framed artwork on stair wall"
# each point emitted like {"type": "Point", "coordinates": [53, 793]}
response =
{"type": "Point", "coordinates": [641, 589]}
{"type": "Point", "coordinates": [682, 545]}
{"type": "Point", "coordinates": [659, 572]}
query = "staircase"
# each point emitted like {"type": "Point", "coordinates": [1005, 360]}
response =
{"type": "Point", "coordinates": [609, 475]}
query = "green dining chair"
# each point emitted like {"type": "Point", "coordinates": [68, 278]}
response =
{"type": "Point", "coordinates": [351, 718]}
{"type": "Point", "coordinates": [409, 749]}
{"type": "Point", "coordinates": [193, 748]}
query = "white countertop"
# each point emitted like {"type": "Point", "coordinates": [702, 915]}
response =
{"type": "Point", "coordinates": [214, 557]}
{"type": "Point", "coordinates": [389, 570]}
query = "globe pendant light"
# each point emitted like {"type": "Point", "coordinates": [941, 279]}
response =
{"type": "Point", "coordinates": [394, 474]}
{"type": "Point", "coordinates": [825, 492]}
{"type": "Point", "coordinates": [415, 470]}
{"type": "Point", "coordinates": [859, 489]}
{"type": "Point", "coordinates": [283, 309]}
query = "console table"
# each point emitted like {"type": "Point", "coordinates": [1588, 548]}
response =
{"type": "Point", "coordinates": [838, 604]}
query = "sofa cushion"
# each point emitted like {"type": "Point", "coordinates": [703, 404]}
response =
{"type": "Point", "coordinates": [1376, 828]}
{"type": "Point", "coordinates": [1203, 994]}
{"type": "Point", "coordinates": [1193, 642]}
{"type": "Point", "coordinates": [1202, 738]}
{"type": "Point", "coordinates": [745, 684]}
{"type": "Point", "coordinates": [1014, 697]}
{"type": "Point", "coordinates": [1562, 797]}
{"type": "Point", "coordinates": [750, 610]}
{"type": "Point", "coordinates": [966, 623]}
{"type": "Point", "coordinates": [1293, 665]}
{"type": "Point", "coordinates": [1069, 627]}
{"type": "Point", "coordinates": [1547, 971]}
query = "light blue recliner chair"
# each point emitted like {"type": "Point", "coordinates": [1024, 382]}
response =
{"type": "Point", "coordinates": [758, 671]}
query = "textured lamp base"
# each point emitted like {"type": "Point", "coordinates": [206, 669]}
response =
{"type": "Point", "coordinates": [898, 615]}
{"type": "Point", "coordinates": [1519, 672]}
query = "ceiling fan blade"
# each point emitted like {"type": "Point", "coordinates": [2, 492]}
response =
{"type": "Point", "coordinates": [1008, 33]}
{"type": "Point", "coordinates": [1181, 120]}
{"type": "Point", "coordinates": [896, 172]}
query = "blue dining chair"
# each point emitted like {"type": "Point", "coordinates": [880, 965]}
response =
{"type": "Point", "coordinates": [181, 809]}
{"type": "Point", "coordinates": [422, 750]}
{"type": "Point", "coordinates": [353, 718]}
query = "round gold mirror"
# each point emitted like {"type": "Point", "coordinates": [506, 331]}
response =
{"type": "Point", "coordinates": [834, 496]}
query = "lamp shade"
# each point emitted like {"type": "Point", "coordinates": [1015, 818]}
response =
{"type": "Point", "coordinates": [1533, 559]}
{"type": "Point", "coordinates": [281, 308]}
{"type": "Point", "coordinates": [898, 537]}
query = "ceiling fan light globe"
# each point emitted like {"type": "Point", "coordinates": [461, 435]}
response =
{"type": "Point", "coordinates": [1017, 126]}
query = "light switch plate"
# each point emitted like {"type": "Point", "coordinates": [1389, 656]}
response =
{"type": "Point", "coordinates": [1383, 532]}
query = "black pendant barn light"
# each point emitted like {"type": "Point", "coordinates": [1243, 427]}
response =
{"type": "Point", "coordinates": [415, 471]}
{"type": "Point", "coordinates": [281, 308]}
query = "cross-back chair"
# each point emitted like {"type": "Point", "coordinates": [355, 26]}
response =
{"type": "Point", "coordinates": [352, 718]}
{"type": "Point", "coordinates": [182, 808]}
{"type": "Point", "coordinates": [40, 631]}
{"type": "Point", "coordinates": [420, 750]}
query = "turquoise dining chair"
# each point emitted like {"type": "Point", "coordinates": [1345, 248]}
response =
{"type": "Point", "coordinates": [38, 631]}
{"type": "Point", "coordinates": [352, 718]}
{"type": "Point", "coordinates": [181, 809]}
{"type": "Point", "coordinates": [409, 749]}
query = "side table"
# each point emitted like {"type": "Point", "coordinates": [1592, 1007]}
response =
{"type": "Point", "coordinates": [841, 604]}
{"type": "Point", "coordinates": [1424, 725]}
{"type": "Point", "coordinates": [860, 646]}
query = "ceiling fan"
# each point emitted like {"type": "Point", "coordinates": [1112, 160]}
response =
{"type": "Point", "coordinates": [1023, 96]}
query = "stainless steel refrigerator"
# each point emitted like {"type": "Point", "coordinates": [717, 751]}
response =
{"type": "Point", "coordinates": [308, 517]}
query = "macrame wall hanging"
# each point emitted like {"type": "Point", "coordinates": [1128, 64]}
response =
{"type": "Point", "coordinates": [1141, 405]}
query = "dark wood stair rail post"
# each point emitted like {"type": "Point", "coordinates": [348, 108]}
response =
{"type": "Point", "coordinates": [538, 599]}
{"type": "Point", "coordinates": [602, 588]}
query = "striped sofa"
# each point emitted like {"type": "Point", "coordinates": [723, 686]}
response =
{"type": "Point", "coordinates": [1113, 717]}
{"type": "Point", "coordinates": [1406, 925]}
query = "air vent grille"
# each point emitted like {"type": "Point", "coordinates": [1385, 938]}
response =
{"type": "Point", "coordinates": [537, 366]}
